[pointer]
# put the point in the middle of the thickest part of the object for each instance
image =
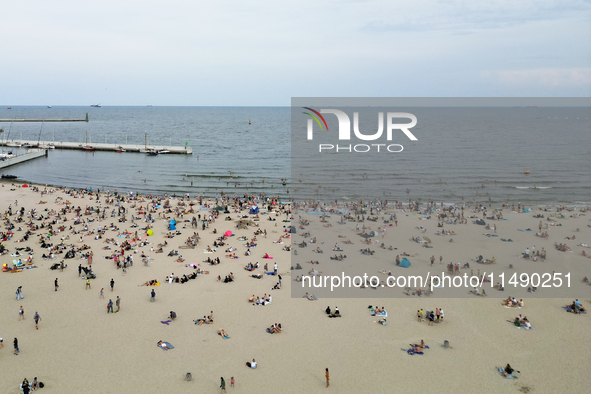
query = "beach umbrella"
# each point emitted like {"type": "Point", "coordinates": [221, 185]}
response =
{"type": "Point", "coordinates": [25, 185]}
{"type": "Point", "coordinates": [228, 233]}
{"type": "Point", "coordinates": [150, 232]}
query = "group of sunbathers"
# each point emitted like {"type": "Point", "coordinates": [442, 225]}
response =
{"type": "Point", "coordinates": [266, 299]}
{"type": "Point", "coordinates": [576, 307]}
{"type": "Point", "coordinates": [335, 313]}
{"type": "Point", "coordinates": [205, 319]}
{"type": "Point", "coordinates": [521, 321]}
{"type": "Point", "coordinates": [229, 278]}
{"type": "Point", "coordinates": [512, 302]}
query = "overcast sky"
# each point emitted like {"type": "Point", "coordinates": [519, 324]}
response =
{"type": "Point", "coordinates": [174, 52]}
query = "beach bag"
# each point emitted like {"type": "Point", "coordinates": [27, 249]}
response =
{"type": "Point", "coordinates": [41, 385]}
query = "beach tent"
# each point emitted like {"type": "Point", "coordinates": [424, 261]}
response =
{"type": "Point", "coordinates": [480, 222]}
{"type": "Point", "coordinates": [373, 233]}
{"type": "Point", "coordinates": [171, 225]}
{"type": "Point", "coordinates": [254, 210]}
{"type": "Point", "coordinates": [405, 263]}
{"type": "Point", "coordinates": [292, 230]}
{"type": "Point", "coordinates": [228, 233]}
{"type": "Point", "coordinates": [150, 232]}
{"type": "Point", "coordinates": [25, 185]}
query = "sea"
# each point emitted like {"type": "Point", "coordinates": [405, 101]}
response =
{"type": "Point", "coordinates": [462, 154]}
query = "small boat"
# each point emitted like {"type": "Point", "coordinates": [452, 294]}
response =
{"type": "Point", "coordinates": [119, 149]}
{"type": "Point", "coordinates": [95, 105]}
{"type": "Point", "coordinates": [153, 153]}
{"type": "Point", "coordinates": [248, 121]}
{"type": "Point", "coordinates": [49, 106]}
{"type": "Point", "coordinates": [161, 152]}
{"type": "Point", "coordinates": [526, 172]}
{"type": "Point", "coordinates": [7, 155]}
{"type": "Point", "coordinates": [8, 107]}
{"type": "Point", "coordinates": [88, 148]}
{"type": "Point", "coordinates": [14, 144]}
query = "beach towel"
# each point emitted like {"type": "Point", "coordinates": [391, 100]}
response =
{"type": "Point", "coordinates": [167, 344]}
{"type": "Point", "coordinates": [509, 376]}
{"type": "Point", "coordinates": [570, 310]}
{"type": "Point", "coordinates": [524, 229]}
{"type": "Point", "coordinates": [313, 297]}
{"type": "Point", "coordinates": [374, 313]}
{"type": "Point", "coordinates": [411, 352]}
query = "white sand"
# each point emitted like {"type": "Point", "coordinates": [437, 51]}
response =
{"type": "Point", "coordinates": [79, 348]}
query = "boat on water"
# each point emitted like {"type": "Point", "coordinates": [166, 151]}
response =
{"type": "Point", "coordinates": [162, 152]}
{"type": "Point", "coordinates": [8, 107]}
{"type": "Point", "coordinates": [95, 105]}
{"type": "Point", "coordinates": [526, 172]}
{"type": "Point", "coordinates": [14, 144]}
{"type": "Point", "coordinates": [7, 155]}
{"type": "Point", "coordinates": [119, 149]}
{"type": "Point", "coordinates": [153, 153]}
{"type": "Point", "coordinates": [49, 106]}
{"type": "Point", "coordinates": [86, 146]}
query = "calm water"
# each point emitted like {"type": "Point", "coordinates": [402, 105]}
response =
{"type": "Point", "coordinates": [228, 153]}
{"type": "Point", "coordinates": [463, 148]}
{"type": "Point", "coordinates": [459, 150]}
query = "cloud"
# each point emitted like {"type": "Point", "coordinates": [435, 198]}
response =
{"type": "Point", "coordinates": [460, 17]}
{"type": "Point", "coordinates": [553, 77]}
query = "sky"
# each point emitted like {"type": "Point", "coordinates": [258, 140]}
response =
{"type": "Point", "coordinates": [258, 53]}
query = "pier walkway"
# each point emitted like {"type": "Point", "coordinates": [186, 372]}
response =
{"type": "Point", "coordinates": [30, 155]}
{"type": "Point", "coordinates": [181, 150]}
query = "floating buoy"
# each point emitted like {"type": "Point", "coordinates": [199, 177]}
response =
{"type": "Point", "coordinates": [526, 172]}
{"type": "Point", "coordinates": [248, 121]}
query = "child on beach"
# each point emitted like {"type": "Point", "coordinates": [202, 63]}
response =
{"type": "Point", "coordinates": [232, 381]}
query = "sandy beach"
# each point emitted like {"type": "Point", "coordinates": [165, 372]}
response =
{"type": "Point", "coordinates": [81, 348]}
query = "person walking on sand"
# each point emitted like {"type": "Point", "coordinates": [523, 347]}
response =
{"type": "Point", "coordinates": [153, 296]}
{"type": "Point", "coordinates": [327, 375]}
{"type": "Point", "coordinates": [79, 270]}
{"type": "Point", "coordinates": [87, 284]}
{"type": "Point", "coordinates": [223, 385]}
{"type": "Point", "coordinates": [118, 303]}
{"type": "Point", "coordinates": [56, 285]}
{"type": "Point", "coordinates": [36, 317]}
{"type": "Point", "coordinates": [102, 293]}
{"type": "Point", "coordinates": [110, 306]}
{"type": "Point", "coordinates": [19, 293]}
{"type": "Point", "coordinates": [16, 349]}
{"type": "Point", "coordinates": [21, 313]}
{"type": "Point", "coordinates": [112, 284]}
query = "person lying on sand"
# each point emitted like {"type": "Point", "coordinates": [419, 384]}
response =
{"type": "Point", "coordinates": [205, 320]}
{"type": "Point", "coordinates": [223, 334]}
{"type": "Point", "coordinates": [507, 370]}
{"type": "Point", "coordinates": [163, 345]}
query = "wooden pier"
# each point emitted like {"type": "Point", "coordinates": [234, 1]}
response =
{"type": "Point", "coordinates": [179, 150]}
